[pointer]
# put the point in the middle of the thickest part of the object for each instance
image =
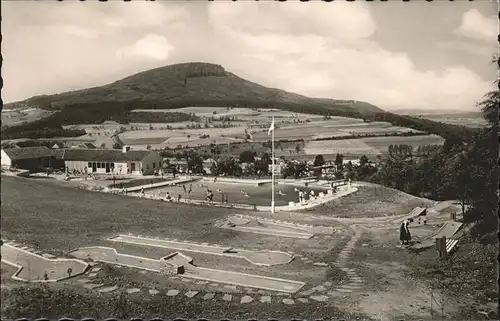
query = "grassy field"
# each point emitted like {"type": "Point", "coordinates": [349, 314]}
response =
{"type": "Point", "coordinates": [16, 117]}
{"type": "Point", "coordinates": [472, 119]}
{"type": "Point", "coordinates": [369, 146]}
{"type": "Point", "coordinates": [257, 195]}
{"type": "Point", "coordinates": [376, 201]}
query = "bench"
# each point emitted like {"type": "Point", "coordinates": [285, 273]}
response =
{"type": "Point", "coordinates": [450, 245]}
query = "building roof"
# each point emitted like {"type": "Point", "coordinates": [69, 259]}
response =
{"type": "Point", "coordinates": [29, 152]}
{"type": "Point", "coordinates": [104, 155]}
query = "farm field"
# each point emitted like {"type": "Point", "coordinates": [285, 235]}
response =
{"type": "Point", "coordinates": [16, 117]}
{"type": "Point", "coordinates": [239, 193]}
{"type": "Point", "coordinates": [468, 121]}
{"type": "Point", "coordinates": [367, 146]}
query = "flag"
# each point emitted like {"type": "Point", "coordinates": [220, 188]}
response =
{"type": "Point", "coordinates": [271, 128]}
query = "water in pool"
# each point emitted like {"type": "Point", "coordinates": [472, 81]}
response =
{"type": "Point", "coordinates": [240, 193]}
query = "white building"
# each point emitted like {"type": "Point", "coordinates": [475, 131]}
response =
{"type": "Point", "coordinates": [109, 161]}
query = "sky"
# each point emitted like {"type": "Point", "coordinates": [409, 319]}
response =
{"type": "Point", "coordinates": [416, 55]}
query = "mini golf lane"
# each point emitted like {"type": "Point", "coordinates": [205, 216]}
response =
{"type": "Point", "coordinates": [111, 256]}
{"type": "Point", "coordinates": [35, 268]}
{"type": "Point", "coordinates": [263, 258]}
{"type": "Point", "coordinates": [244, 223]}
{"type": "Point", "coordinates": [253, 226]}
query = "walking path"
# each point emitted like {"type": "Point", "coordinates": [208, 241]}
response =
{"type": "Point", "coordinates": [341, 262]}
{"type": "Point", "coordinates": [162, 184]}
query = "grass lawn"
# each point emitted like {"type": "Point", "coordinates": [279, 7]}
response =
{"type": "Point", "coordinates": [371, 201]}
{"type": "Point", "coordinates": [52, 215]}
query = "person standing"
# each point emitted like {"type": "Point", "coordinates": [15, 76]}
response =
{"type": "Point", "coordinates": [404, 232]}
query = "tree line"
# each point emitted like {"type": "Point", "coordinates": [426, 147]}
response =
{"type": "Point", "coordinates": [467, 172]}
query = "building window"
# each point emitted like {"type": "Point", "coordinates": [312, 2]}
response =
{"type": "Point", "coordinates": [89, 165]}
{"type": "Point", "coordinates": [103, 165]}
{"type": "Point", "coordinates": [154, 165]}
{"type": "Point", "coordinates": [132, 167]}
{"type": "Point", "coordinates": [98, 165]}
{"type": "Point", "coordinates": [113, 165]}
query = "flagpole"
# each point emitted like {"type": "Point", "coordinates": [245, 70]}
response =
{"type": "Point", "coordinates": [272, 167]}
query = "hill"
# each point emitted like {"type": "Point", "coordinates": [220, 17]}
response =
{"type": "Point", "coordinates": [182, 84]}
{"type": "Point", "coordinates": [191, 84]}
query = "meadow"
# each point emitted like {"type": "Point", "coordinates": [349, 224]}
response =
{"type": "Point", "coordinates": [368, 146]}
{"type": "Point", "coordinates": [11, 117]}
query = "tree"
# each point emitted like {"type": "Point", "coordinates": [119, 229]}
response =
{"type": "Point", "coordinates": [319, 160]}
{"type": "Point", "coordinates": [339, 161]}
{"type": "Point", "coordinates": [247, 156]}
{"type": "Point", "coordinates": [195, 163]}
{"type": "Point", "coordinates": [363, 160]}
{"type": "Point", "coordinates": [483, 156]}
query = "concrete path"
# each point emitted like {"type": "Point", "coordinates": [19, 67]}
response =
{"type": "Point", "coordinates": [37, 268]}
{"type": "Point", "coordinates": [264, 258]}
{"type": "Point", "coordinates": [162, 184]}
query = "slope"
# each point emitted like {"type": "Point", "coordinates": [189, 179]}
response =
{"type": "Point", "coordinates": [182, 84]}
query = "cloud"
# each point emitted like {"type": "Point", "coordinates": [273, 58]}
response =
{"type": "Point", "coordinates": [326, 51]}
{"type": "Point", "coordinates": [55, 47]}
{"type": "Point", "coordinates": [152, 46]}
{"type": "Point", "coordinates": [476, 49]}
{"type": "Point", "coordinates": [476, 26]}
{"type": "Point", "coordinates": [145, 14]}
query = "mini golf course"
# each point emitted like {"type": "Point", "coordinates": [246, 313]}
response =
{"type": "Point", "coordinates": [251, 224]}
{"type": "Point", "coordinates": [32, 267]}
{"type": "Point", "coordinates": [174, 260]}
{"type": "Point", "coordinates": [264, 258]}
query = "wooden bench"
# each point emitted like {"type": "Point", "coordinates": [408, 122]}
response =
{"type": "Point", "coordinates": [450, 245]}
